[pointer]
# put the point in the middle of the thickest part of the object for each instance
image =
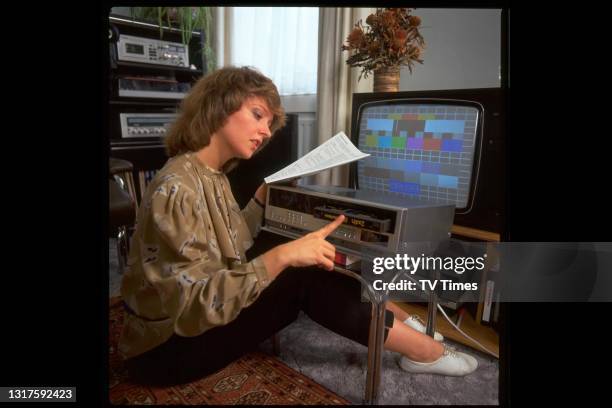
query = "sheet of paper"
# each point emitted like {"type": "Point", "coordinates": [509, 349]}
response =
{"type": "Point", "coordinates": [336, 151]}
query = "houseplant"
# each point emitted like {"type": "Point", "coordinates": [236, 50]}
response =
{"type": "Point", "coordinates": [390, 40]}
{"type": "Point", "coordinates": [186, 19]}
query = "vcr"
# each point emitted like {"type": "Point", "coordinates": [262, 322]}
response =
{"type": "Point", "coordinates": [374, 220]}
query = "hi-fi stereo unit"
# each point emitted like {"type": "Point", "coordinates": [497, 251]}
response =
{"type": "Point", "coordinates": [152, 87]}
{"type": "Point", "coordinates": [151, 51]}
{"type": "Point", "coordinates": [145, 124]}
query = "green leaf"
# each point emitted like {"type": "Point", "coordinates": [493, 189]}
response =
{"type": "Point", "coordinates": [159, 20]}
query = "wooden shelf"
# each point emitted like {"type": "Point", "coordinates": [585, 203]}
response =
{"type": "Point", "coordinates": [137, 23]}
{"type": "Point", "coordinates": [158, 67]}
{"type": "Point", "coordinates": [483, 334]}
{"type": "Point", "coordinates": [148, 142]}
{"type": "Point", "coordinates": [163, 103]}
{"type": "Point", "coordinates": [475, 233]}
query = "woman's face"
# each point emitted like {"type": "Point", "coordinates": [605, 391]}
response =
{"type": "Point", "coordinates": [247, 128]}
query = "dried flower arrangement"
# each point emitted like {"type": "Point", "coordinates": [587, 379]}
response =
{"type": "Point", "coordinates": [392, 39]}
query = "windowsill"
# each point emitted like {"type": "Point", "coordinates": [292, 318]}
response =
{"type": "Point", "coordinates": [299, 103]}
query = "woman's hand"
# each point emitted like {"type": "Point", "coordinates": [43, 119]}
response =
{"type": "Point", "coordinates": [262, 193]}
{"type": "Point", "coordinates": [262, 190]}
{"type": "Point", "coordinates": [311, 249]}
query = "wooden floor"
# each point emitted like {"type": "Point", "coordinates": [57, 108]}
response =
{"type": "Point", "coordinates": [485, 335]}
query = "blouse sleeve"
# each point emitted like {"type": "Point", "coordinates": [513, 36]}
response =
{"type": "Point", "coordinates": [253, 214]}
{"type": "Point", "coordinates": [196, 289]}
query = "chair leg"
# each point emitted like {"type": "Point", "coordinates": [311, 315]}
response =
{"type": "Point", "coordinates": [275, 344]}
{"type": "Point", "coordinates": [122, 249]}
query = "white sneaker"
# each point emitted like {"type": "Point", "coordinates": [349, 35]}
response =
{"type": "Point", "coordinates": [418, 324]}
{"type": "Point", "coordinates": [452, 362]}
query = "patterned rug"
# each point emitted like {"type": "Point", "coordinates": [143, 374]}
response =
{"type": "Point", "coordinates": [254, 379]}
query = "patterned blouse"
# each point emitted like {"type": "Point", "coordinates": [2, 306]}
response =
{"type": "Point", "coordinates": [186, 271]}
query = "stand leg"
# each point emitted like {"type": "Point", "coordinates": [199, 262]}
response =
{"type": "Point", "coordinates": [122, 248]}
{"type": "Point", "coordinates": [375, 350]}
{"type": "Point", "coordinates": [432, 308]}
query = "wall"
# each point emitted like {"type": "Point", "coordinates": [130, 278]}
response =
{"type": "Point", "coordinates": [306, 107]}
{"type": "Point", "coordinates": [462, 50]}
{"type": "Point", "coordinates": [123, 11]}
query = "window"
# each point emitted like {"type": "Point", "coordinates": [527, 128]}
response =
{"type": "Point", "coordinates": [282, 42]}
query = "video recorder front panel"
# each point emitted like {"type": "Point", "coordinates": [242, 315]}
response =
{"type": "Point", "coordinates": [372, 220]}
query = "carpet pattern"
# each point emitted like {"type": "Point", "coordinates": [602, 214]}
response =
{"type": "Point", "coordinates": [254, 379]}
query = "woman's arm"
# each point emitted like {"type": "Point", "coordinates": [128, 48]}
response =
{"type": "Point", "coordinates": [197, 291]}
{"type": "Point", "coordinates": [262, 193]}
{"type": "Point", "coordinates": [311, 249]}
{"type": "Point", "coordinates": [253, 212]}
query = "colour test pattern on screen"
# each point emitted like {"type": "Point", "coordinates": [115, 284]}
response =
{"type": "Point", "coordinates": [418, 150]}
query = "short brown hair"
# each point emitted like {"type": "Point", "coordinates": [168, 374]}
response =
{"type": "Point", "coordinates": [213, 99]}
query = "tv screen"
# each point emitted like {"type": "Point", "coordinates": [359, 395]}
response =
{"type": "Point", "coordinates": [443, 146]}
{"type": "Point", "coordinates": [426, 150]}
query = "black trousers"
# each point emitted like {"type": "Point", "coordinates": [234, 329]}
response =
{"type": "Point", "coordinates": [330, 299]}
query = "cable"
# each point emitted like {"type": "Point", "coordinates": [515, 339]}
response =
{"type": "Point", "coordinates": [462, 332]}
{"type": "Point", "coordinates": [444, 314]}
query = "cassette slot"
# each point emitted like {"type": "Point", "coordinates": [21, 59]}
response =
{"type": "Point", "coordinates": [353, 217]}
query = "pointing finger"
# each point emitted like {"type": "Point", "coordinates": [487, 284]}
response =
{"type": "Point", "coordinates": [329, 228]}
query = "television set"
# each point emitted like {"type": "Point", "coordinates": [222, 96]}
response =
{"type": "Point", "coordinates": [442, 146]}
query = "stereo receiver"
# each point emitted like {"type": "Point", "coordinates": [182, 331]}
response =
{"type": "Point", "coordinates": [374, 220]}
{"type": "Point", "coordinates": [145, 124]}
{"type": "Point", "coordinates": [152, 87]}
{"type": "Point", "coordinates": [151, 51]}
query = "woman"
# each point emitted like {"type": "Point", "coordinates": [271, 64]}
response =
{"type": "Point", "coordinates": [194, 302]}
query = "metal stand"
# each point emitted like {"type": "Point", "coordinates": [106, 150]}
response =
{"type": "Point", "coordinates": [432, 307]}
{"type": "Point", "coordinates": [377, 324]}
{"type": "Point", "coordinates": [376, 336]}
{"type": "Point", "coordinates": [123, 248]}
{"type": "Point", "coordinates": [375, 351]}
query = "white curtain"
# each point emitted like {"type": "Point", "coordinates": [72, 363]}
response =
{"type": "Point", "coordinates": [221, 35]}
{"type": "Point", "coordinates": [336, 82]}
{"type": "Point", "coordinates": [281, 42]}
